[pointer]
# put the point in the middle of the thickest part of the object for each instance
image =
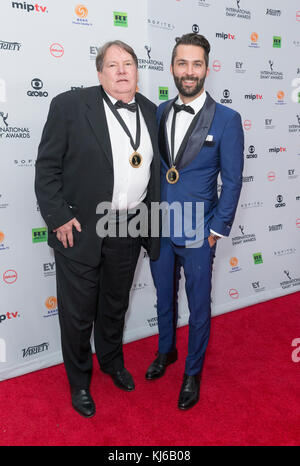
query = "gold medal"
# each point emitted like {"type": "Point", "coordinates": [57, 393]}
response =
{"type": "Point", "coordinates": [172, 175]}
{"type": "Point", "coordinates": [135, 160]}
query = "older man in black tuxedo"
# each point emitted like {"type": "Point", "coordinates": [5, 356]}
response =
{"type": "Point", "coordinates": [99, 144]}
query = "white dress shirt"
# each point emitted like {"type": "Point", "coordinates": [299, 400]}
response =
{"type": "Point", "coordinates": [130, 184]}
{"type": "Point", "coordinates": [182, 123]}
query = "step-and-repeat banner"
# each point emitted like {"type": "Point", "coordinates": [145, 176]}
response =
{"type": "Point", "coordinates": [50, 47]}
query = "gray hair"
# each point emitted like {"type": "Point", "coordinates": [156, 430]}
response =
{"type": "Point", "coordinates": [102, 51]}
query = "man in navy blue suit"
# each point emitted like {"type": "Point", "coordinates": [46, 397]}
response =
{"type": "Point", "coordinates": [198, 139]}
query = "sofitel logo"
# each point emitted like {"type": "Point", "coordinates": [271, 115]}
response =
{"type": "Point", "coordinates": [160, 24]}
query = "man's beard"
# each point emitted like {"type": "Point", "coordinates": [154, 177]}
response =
{"type": "Point", "coordinates": [190, 91]}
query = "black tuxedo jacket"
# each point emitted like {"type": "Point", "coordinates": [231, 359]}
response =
{"type": "Point", "coordinates": [74, 169]}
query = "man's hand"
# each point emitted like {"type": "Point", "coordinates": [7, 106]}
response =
{"type": "Point", "coordinates": [64, 233]}
{"type": "Point", "coordinates": [212, 239]}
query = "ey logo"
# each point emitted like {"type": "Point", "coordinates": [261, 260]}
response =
{"type": "Point", "coordinates": [2, 350]}
{"type": "Point", "coordinates": [120, 19]}
{"type": "Point", "coordinates": [39, 235]}
{"type": "Point", "coordinates": [163, 93]}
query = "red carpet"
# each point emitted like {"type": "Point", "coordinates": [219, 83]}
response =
{"type": "Point", "coordinates": [249, 393]}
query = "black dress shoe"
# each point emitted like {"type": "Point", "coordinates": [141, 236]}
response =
{"type": "Point", "coordinates": [123, 379]}
{"type": "Point", "coordinates": [189, 393]}
{"type": "Point", "coordinates": [82, 402]}
{"type": "Point", "coordinates": [159, 365]}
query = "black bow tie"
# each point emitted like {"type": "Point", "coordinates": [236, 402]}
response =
{"type": "Point", "coordinates": [131, 107]}
{"type": "Point", "coordinates": [186, 108]}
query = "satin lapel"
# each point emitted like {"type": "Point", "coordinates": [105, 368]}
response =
{"type": "Point", "coordinates": [198, 136]}
{"type": "Point", "coordinates": [96, 116]}
{"type": "Point", "coordinates": [163, 142]}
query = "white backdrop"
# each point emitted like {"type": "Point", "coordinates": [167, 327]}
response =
{"type": "Point", "coordinates": [50, 47]}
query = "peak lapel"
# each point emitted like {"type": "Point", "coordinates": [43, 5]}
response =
{"type": "Point", "coordinates": [198, 136]}
{"type": "Point", "coordinates": [95, 114]}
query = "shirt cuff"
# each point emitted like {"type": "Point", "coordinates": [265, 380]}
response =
{"type": "Point", "coordinates": [217, 234]}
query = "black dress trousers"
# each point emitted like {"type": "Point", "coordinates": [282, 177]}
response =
{"type": "Point", "coordinates": [95, 295]}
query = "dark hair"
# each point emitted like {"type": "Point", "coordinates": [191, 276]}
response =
{"type": "Point", "coordinates": [102, 51]}
{"type": "Point", "coordinates": [192, 39]}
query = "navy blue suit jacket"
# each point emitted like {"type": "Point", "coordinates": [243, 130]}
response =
{"type": "Point", "coordinates": [201, 162]}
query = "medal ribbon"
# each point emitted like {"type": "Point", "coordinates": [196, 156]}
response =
{"type": "Point", "coordinates": [134, 144]}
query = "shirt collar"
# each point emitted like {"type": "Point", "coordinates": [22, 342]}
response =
{"type": "Point", "coordinates": [196, 104]}
{"type": "Point", "coordinates": [113, 100]}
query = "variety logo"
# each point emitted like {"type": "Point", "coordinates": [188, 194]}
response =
{"type": "Point", "coordinates": [32, 350]}
{"type": "Point", "coordinates": [28, 7]}
{"type": "Point", "coordinates": [14, 46]}
{"type": "Point", "coordinates": [37, 85]}
{"type": "Point", "coordinates": [51, 306]}
{"type": "Point", "coordinates": [163, 93]}
{"type": "Point", "coordinates": [238, 12]}
{"type": "Point", "coordinates": [273, 12]}
{"type": "Point", "coordinates": [10, 276]}
{"type": "Point", "coordinates": [277, 42]}
{"type": "Point", "coordinates": [81, 12]}
{"type": "Point", "coordinates": [39, 235]}
{"type": "Point", "coordinates": [56, 50]}
{"type": "Point", "coordinates": [248, 179]}
{"type": "Point", "coordinates": [277, 227]}
{"type": "Point", "coordinates": [257, 257]}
